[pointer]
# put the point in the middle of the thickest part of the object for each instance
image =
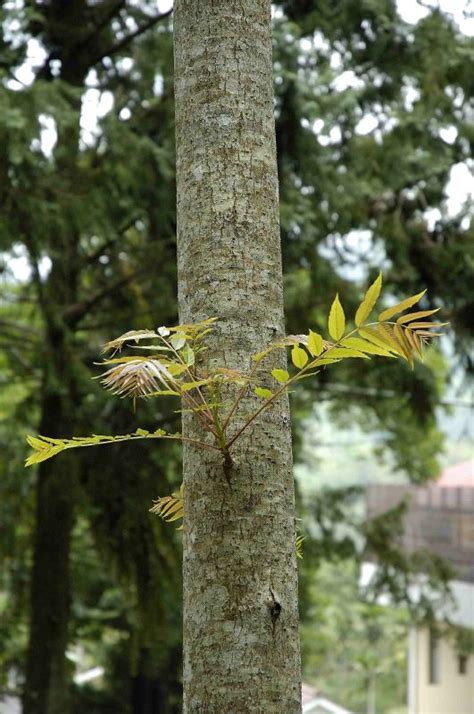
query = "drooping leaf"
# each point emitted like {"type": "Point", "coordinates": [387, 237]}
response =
{"type": "Point", "coordinates": [414, 341]}
{"type": "Point", "coordinates": [281, 375]}
{"type": "Point", "coordinates": [401, 306]}
{"type": "Point", "coordinates": [403, 342]}
{"type": "Point", "coordinates": [336, 320]}
{"type": "Point", "coordinates": [315, 343]}
{"type": "Point", "coordinates": [386, 332]}
{"type": "Point", "coordinates": [131, 336]}
{"type": "Point", "coordinates": [170, 508]}
{"type": "Point", "coordinates": [365, 346]}
{"type": "Point", "coordinates": [299, 357]}
{"type": "Point", "coordinates": [139, 377]}
{"type": "Point", "coordinates": [374, 335]}
{"type": "Point", "coordinates": [416, 315]}
{"type": "Point", "coordinates": [368, 303]}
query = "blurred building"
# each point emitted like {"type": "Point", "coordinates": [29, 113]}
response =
{"type": "Point", "coordinates": [315, 703]}
{"type": "Point", "coordinates": [439, 518]}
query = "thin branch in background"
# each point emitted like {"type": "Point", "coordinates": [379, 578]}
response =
{"type": "Point", "coordinates": [109, 325]}
{"type": "Point", "coordinates": [73, 313]}
{"type": "Point", "coordinates": [133, 35]}
{"type": "Point", "coordinates": [108, 16]}
{"type": "Point", "coordinates": [91, 258]}
{"type": "Point", "coordinates": [19, 358]}
{"type": "Point", "coordinates": [26, 331]}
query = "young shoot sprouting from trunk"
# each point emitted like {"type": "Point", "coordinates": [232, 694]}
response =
{"type": "Point", "coordinates": [175, 365]}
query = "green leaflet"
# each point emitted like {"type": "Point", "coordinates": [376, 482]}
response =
{"type": "Point", "coordinates": [426, 325]}
{"type": "Point", "coordinates": [336, 320]}
{"type": "Point", "coordinates": [263, 392]}
{"type": "Point", "coordinates": [187, 353]}
{"type": "Point", "coordinates": [343, 353]}
{"type": "Point", "coordinates": [401, 306]}
{"type": "Point", "coordinates": [194, 385]}
{"type": "Point", "coordinates": [178, 340]}
{"type": "Point", "coordinates": [281, 375]}
{"type": "Point", "coordinates": [368, 303]}
{"type": "Point", "coordinates": [416, 315]}
{"type": "Point", "coordinates": [261, 355]}
{"type": "Point", "coordinates": [315, 343]}
{"type": "Point", "coordinates": [324, 360]}
{"type": "Point", "coordinates": [299, 357]}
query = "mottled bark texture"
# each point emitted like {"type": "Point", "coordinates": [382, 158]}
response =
{"type": "Point", "coordinates": [241, 647]}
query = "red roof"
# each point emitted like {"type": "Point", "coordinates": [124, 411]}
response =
{"type": "Point", "coordinates": [308, 693]}
{"type": "Point", "coordinates": [459, 475]}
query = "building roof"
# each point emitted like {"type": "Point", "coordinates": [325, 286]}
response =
{"type": "Point", "coordinates": [315, 703]}
{"type": "Point", "coordinates": [308, 693]}
{"type": "Point", "coordinates": [439, 517]}
{"type": "Point", "coordinates": [457, 476]}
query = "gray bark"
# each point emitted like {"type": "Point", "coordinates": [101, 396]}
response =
{"type": "Point", "coordinates": [241, 645]}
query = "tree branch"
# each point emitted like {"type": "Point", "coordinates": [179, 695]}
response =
{"type": "Point", "coordinates": [90, 259]}
{"type": "Point", "coordinates": [128, 38]}
{"type": "Point", "coordinates": [74, 313]}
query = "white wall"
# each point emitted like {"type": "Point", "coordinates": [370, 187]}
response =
{"type": "Point", "coordinates": [454, 692]}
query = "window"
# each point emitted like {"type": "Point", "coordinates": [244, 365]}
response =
{"type": "Point", "coordinates": [433, 657]}
{"type": "Point", "coordinates": [462, 664]}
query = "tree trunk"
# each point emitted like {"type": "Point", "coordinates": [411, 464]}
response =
{"type": "Point", "coordinates": [47, 682]}
{"type": "Point", "coordinates": [371, 693]}
{"type": "Point", "coordinates": [241, 645]}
